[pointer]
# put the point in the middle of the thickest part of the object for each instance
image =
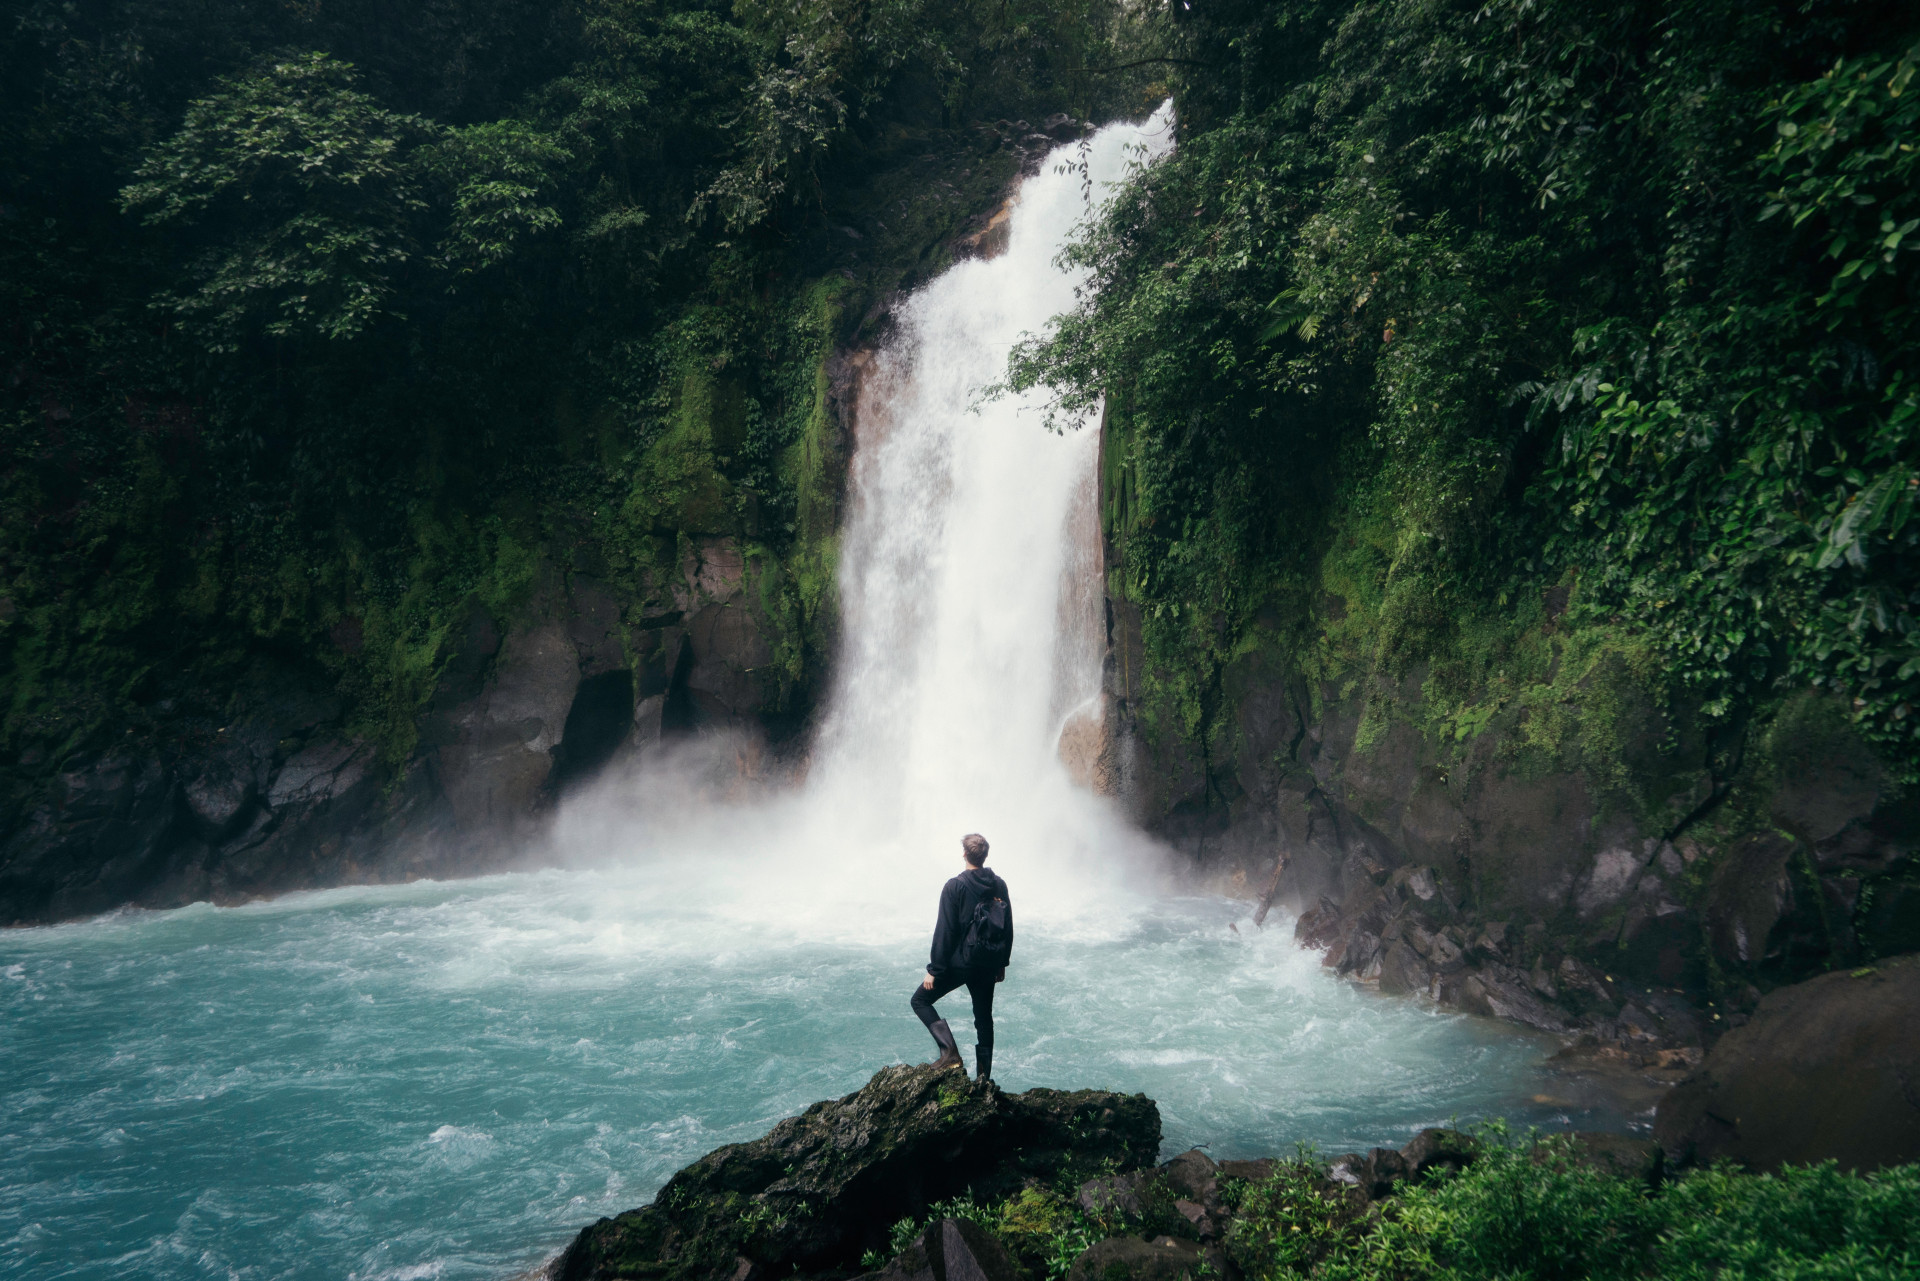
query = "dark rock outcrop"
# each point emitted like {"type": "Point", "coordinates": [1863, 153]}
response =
{"type": "Point", "coordinates": [1828, 1069]}
{"type": "Point", "coordinates": [284, 795]}
{"type": "Point", "coordinates": [1375, 1174]}
{"type": "Point", "coordinates": [1164, 1258]}
{"type": "Point", "coordinates": [823, 1187]}
{"type": "Point", "coordinates": [1620, 1155]}
{"type": "Point", "coordinates": [953, 1250]}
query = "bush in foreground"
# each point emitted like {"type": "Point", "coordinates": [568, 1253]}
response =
{"type": "Point", "coordinates": [1525, 1210]}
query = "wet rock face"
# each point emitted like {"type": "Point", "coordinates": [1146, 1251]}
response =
{"type": "Point", "coordinates": [497, 748]}
{"type": "Point", "coordinates": [826, 1185]}
{"type": "Point", "coordinates": [1479, 870]}
{"type": "Point", "coordinates": [1828, 1069]}
{"type": "Point", "coordinates": [1378, 1174]}
{"type": "Point", "coordinates": [93, 842]}
{"type": "Point", "coordinates": [219, 811]}
{"type": "Point", "coordinates": [279, 794]}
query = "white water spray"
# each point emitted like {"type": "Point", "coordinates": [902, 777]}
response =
{"type": "Point", "coordinates": [969, 606]}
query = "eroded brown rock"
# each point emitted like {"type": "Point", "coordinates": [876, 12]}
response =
{"type": "Point", "coordinates": [1828, 1069]}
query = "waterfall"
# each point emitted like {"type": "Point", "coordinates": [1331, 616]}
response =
{"type": "Point", "coordinates": [970, 571]}
{"type": "Point", "coordinates": [972, 635]}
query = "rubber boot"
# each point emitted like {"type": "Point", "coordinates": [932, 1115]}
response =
{"type": "Point", "coordinates": [983, 1060]}
{"type": "Point", "coordinates": [949, 1049]}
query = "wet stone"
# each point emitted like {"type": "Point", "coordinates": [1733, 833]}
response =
{"type": "Point", "coordinates": [1132, 1259]}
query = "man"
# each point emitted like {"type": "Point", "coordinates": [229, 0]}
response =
{"type": "Point", "coordinates": [972, 941]}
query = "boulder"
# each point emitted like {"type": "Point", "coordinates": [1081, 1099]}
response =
{"type": "Point", "coordinates": [1373, 1175]}
{"type": "Point", "coordinates": [822, 1187]}
{"type": "Point", "coordinates": [495, 750]}
{"type": "Point", "coordinates": [1192, 1174]}
{"type": "Point", "coordinates": [1434, 1149]}
{"type": "Point", "coordinates": [1256, 1171]}
{"type": "Point", "coordinates": [1608, 881]}
{"type": "Point", "coordinates": [1132, 1259]}
{"type": "Point", "coordinates": [1402, 971]}
{"type": "Point", "coordinates": [1500, 991]}
{"type": "Point", "coordinates": [1824, 1070]}
{"type": "Point", "coordinates": [1747, 896]}
{"type": "Point", "coordinates": [1197, 1217]}
{"type": "Point", "coordinates": [219, 797]}
{"type": "Point", "coordinates": [952, 1250]}
{"type": "Point", "coordinates": [1620, 1155]}
{"type": "Point", "coordinates": [1117, 1194]}
{"type": "Point", "coordinates": [319, 772]}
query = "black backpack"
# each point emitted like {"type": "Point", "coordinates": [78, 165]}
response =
{"type": "Point", "coordinates": [989, 942]}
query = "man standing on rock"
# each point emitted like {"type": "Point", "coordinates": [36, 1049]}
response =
{"type": "Point", "coordinates": [972, 942]}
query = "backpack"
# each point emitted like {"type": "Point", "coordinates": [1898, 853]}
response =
{"type": "Point", "coordinates": [989, 942]}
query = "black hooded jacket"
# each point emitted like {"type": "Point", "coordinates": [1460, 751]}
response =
{"type": "Point", "coordinates": [957, 902]}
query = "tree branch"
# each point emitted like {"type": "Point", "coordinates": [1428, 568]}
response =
{"type": "Point", "coordinates": [1138, 62]}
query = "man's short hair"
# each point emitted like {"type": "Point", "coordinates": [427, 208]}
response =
{"type": "Point", "coordinates": [974, 847]}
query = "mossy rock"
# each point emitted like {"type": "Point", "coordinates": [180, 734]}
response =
{"type": "Point", "coordinates": [822, 1187]}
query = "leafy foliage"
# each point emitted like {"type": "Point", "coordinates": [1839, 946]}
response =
{"type": "Point", "coordinates": [328, 324]}
{"type": "Point", "coordinates": [1522, 294]}
{"type": "Point", "coordinates": [1528, 1208]}
{"type": "Point", "coordinates": [310, 186]}
{"type": "Point", "coordinates": [1531, 1209]}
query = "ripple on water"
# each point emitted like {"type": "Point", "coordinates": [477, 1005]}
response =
{"type": "Point", "coordinates": [449, 1080]}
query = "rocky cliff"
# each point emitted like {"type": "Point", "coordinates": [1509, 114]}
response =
{"type": "Point", "coordinates": [1559, 843]}
{"type": "Point", "coordinates": [286, 795]}
{"type": "Point", "coordinates": [824, 1187]}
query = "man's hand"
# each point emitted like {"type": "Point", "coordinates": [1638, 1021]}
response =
{"type": "Point", "coordinates": [927, 982]}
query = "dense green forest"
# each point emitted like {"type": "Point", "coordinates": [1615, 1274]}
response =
{"type": "Point", "coordinates": [324, 320]}
{"type": "Point", "coordinates": [1448, 323]}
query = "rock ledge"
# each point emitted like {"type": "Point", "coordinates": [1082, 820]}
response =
{"type": "Point", "coordinates": [823, 1187]}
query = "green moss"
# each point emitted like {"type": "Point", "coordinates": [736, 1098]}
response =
{"type": "Point", "coordinates": [676, 483]}
{"type": "Point", "coordinates": [584, 378]}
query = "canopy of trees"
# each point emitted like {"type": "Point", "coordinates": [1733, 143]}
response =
{"type": "Point", "coordinates": [336, 316]}
{"type": "Point", "coordinates": [1524, 293]}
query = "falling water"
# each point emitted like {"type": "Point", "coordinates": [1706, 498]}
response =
{"type": "Point", "coordinates": [969, 605]}
{"type": "Point", "coordinates": [448, 1080]}
{"type": "Point", "coordinates": [968, 642]}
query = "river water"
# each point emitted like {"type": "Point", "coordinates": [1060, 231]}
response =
{"type": "Point", "coordinates": [449, 1079]}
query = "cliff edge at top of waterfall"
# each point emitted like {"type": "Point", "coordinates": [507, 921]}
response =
{"type": "Point", "coordinates": [823, 1187]}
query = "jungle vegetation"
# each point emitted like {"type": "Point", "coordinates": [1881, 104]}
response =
{"type": "Point", "coordinates": [1527, 1208]}
{"type": "Point", "coordinates": [1460, 320]}
{"type": "Point", "coordinates": [321, 321]}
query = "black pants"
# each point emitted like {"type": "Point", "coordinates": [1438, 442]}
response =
{"type": "Point", "coordinates": [979, 987]}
